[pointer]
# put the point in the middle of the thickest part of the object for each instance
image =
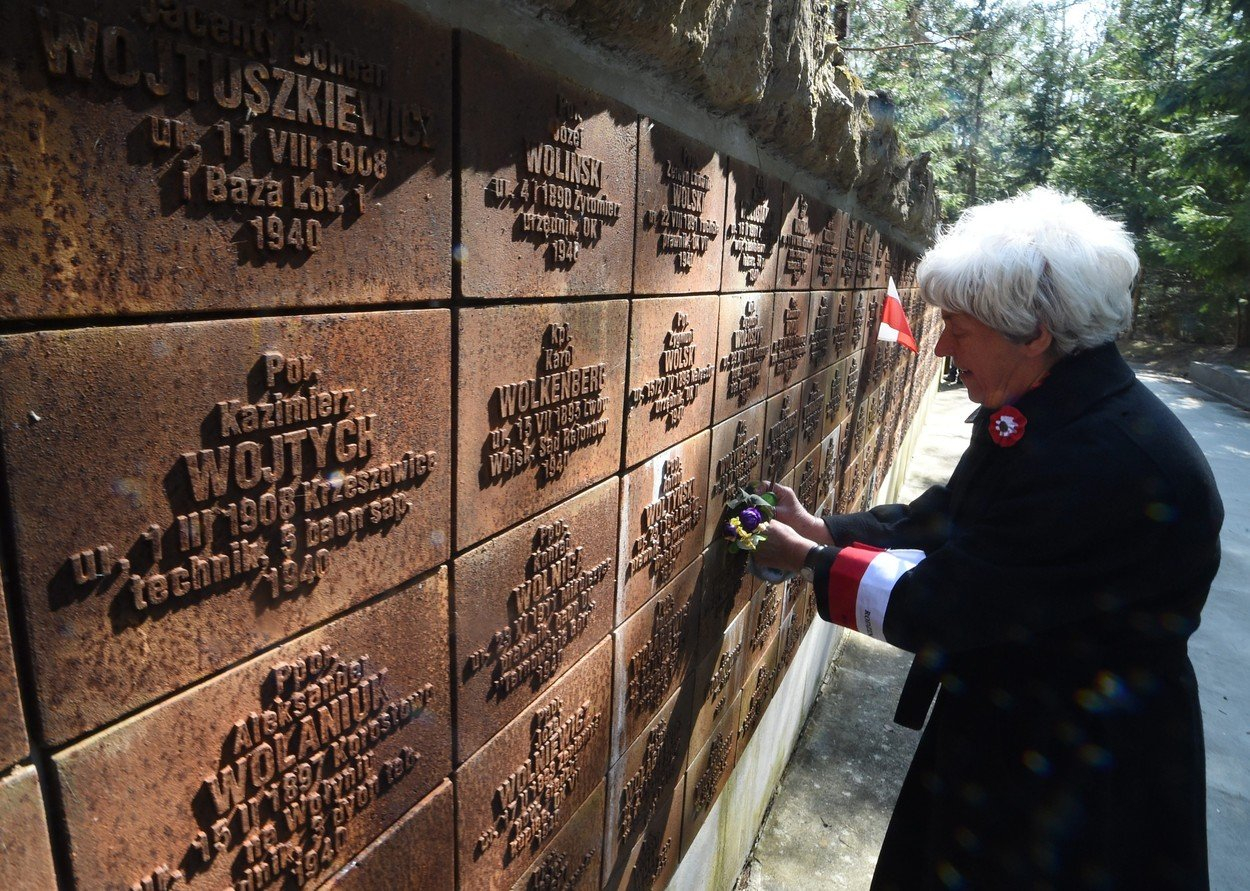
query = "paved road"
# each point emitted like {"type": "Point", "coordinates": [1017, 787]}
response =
{"type": "Point", "coordinates": [1220, 649]}
{"type": "Point", "coordinates": [830, 813]}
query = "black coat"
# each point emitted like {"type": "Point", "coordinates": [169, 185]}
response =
{"type": "Point", "coordinates": [1062, 579]}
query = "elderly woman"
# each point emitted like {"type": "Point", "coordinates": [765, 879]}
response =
{"type": "Point", "coordinates": [1048, 590]}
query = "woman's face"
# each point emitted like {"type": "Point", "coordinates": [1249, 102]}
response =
{"type": "Point", "coordinates": [993, 368]}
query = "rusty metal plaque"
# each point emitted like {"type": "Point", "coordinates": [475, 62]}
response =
{"type": "Point", "coordinates": [841, 393]}
{"type": "Point", "coordinates": [787, 349]}
{"type": "Point", "coordinates": [814, 391]}
{"type": "Point", "coordinates": [165, 157]}
{"type": "Point", "coordinates": [540, 399]}
{"type": "Point", "coordinates": [781, 432]}
{"type": "Point", "coordinates": [278, 770]}
{"type": "Point", "coordinates": [865, 267]}
{"type": "Point", "coordinates": [233, 482]}
{"type": "Point", "coordinates": [822, 316]}
{"type": "Point", "coordinates": [547, 181]}
{"type": "Point", "coordinates": [742, 352]}
{"type": "Point", "coordinates": [13, 743]}
{"type": "Point", "coordinates": [830, 236]}
{"type": "Point", "coordinates": [807, 480]}
{"type": "Point", "coordinates": [642, 778]}
{"type": "Point", "coordinates": [655, 650]}
{"type": "Point", "coordinates": [662, 516]}
{"type": "Point", "coordinates": [573, 860]}
{"type": "Point", "coordinates": [27, 860]}
{"type": "Point", "coordinates": [902, 266]}
{"type": "Point", "coordinates": [418, 853]}
{"type": "Point", "coordinates": [649, 865]}
{"type": "Point", "coordinates": [843, 308]}
{"type": "Point", "coordinates": [762, 619]}
{"type": "Point", "coordinates": [848, 260]}
{"type": "Point", "coordinates": [672, 357]}
{"type": "Point", "coordinates": [717, 681]}
{"type": "Point", "coordinates": [708, 772]}
{"type": "Point", "coordinates": [829, 470]}
{"type": "Point", "coordinates": [752, 229]}
{"type": "Point", "coordinates": [861, 311]}
{"type": "Point", "coordinates": [881, 266]}
{"type": "Point", "coordinates": [727, 589]}
{"type": "Point", "coordinates": [528, 604]}
{"type": "Point", "coordinates": [737, 451]}
{"type": "Point", "coordinates": [758, 687]}
{"type": "Point", "coordinates": [523, 786]}
{"type": "Point", "coordinates": [797, 242]}
{"type": "Point", "coordinates": [681, 213]}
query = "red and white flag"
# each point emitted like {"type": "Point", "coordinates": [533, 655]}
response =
{"type": "Point", "coordinates": [894, 327]}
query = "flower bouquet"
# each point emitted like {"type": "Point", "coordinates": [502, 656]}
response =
{"type": "Point", "coordinates": [746, 518]}
{"type": "Point", "coordinates": [747, 515]}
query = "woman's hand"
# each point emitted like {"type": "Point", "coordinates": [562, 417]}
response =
{"type": "Point", "coordinates": [782, 547]}
{"type": "Point", "coordinates": [793, 514]}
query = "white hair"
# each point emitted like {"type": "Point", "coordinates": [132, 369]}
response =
{"type": "Point", "coordinates": [1038, 260]}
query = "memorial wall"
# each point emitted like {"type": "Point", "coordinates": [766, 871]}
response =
{"type": "Point", "coordinates": [370, 399]}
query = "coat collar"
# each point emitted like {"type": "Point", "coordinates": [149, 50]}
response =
{"type": "Point", "coordinates": [1074, 385]}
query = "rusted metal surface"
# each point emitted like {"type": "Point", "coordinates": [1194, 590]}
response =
{"type": "Point", "coordinates": [828, 490]}
{"type": "Point", "coordinates": [681, 213]}
{"type": "Point", "coordinates": [350, 723]}
{"type": "Point", "coordinates": [541, 399]}
{"type": "Point", "coordinates": [13, 743]}
{"type": "Point", "coordinates": [822, 316]}
{"type": "Point", "coordinates": [867, 269]}
{"type": "Point", "coordinates": [837, 405]}
{"type": "Point", "coordinates": [807, 479]}
{"type": "Point", "coordinates": [708, 772]}
{"type": "Point", "coordinates": [548, 173]}
{"type": "Point", "coordinates": [798, 241]}
{"type": "Point", "coordinates": [829, 227]}
{"type": "Point", "coordinates": [728, 588]}
{"type": "Point", "coordinates": [737, 451]}
{"type": "Point", "coordinates": [573, 860]}
{"type": "Point", "coordinates": [843, 311]}
{"type": "Point", "coordinates": [654, 655]}
{"type": "Point", "coordinates": [717, 680]}
{"type": "Point", "coordinates": [672, 360]}
{"type": "Point", "coordinates": [417, 853]}
{"type": "Point", "coordinates": [763, 617]}
{"type": "Point", "coordinates": [529, 604]}
{"type": "Point", "coordinates": [185, 494]}
{"type": "Point", "coordinates": [781, 432]}
{"type": "Point", "coordinates": [848, 260]}
{"type": "Point", "coordinates": [814, 393]}
{"type": "Point", "coordinates": [787, 349]}
{"type": "Point", "coordinates": [523, 786]}
{"type": "Point", "coordinates": [743, 341]}
{"type": "Point", "coordinates": [164, 158]}
{"type": "Point", "coordinates": [645, 776]}
{"type": "Point", "coordinates": [752, 229]}
{"type": "Point", "coordinates": [27, 860]}
{"type": "Point", "coordinates": [650, 863]}
{"type": "Point", "coordinates": [662, 516]}
{"type": "Point", "coordinates": [758, 686]}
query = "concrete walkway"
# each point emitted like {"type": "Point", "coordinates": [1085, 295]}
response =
{"type": "Point", "coordinates": [834, 801]}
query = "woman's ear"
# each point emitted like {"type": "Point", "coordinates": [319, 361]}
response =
{"type": "Point", "coordinates": [1040, 344]}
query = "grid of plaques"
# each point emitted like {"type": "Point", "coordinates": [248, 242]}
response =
{"type": "Point", "coordinates": [346, 547]}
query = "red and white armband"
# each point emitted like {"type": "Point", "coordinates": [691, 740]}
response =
{"type": "Point", "coordinates": [860, 582]}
